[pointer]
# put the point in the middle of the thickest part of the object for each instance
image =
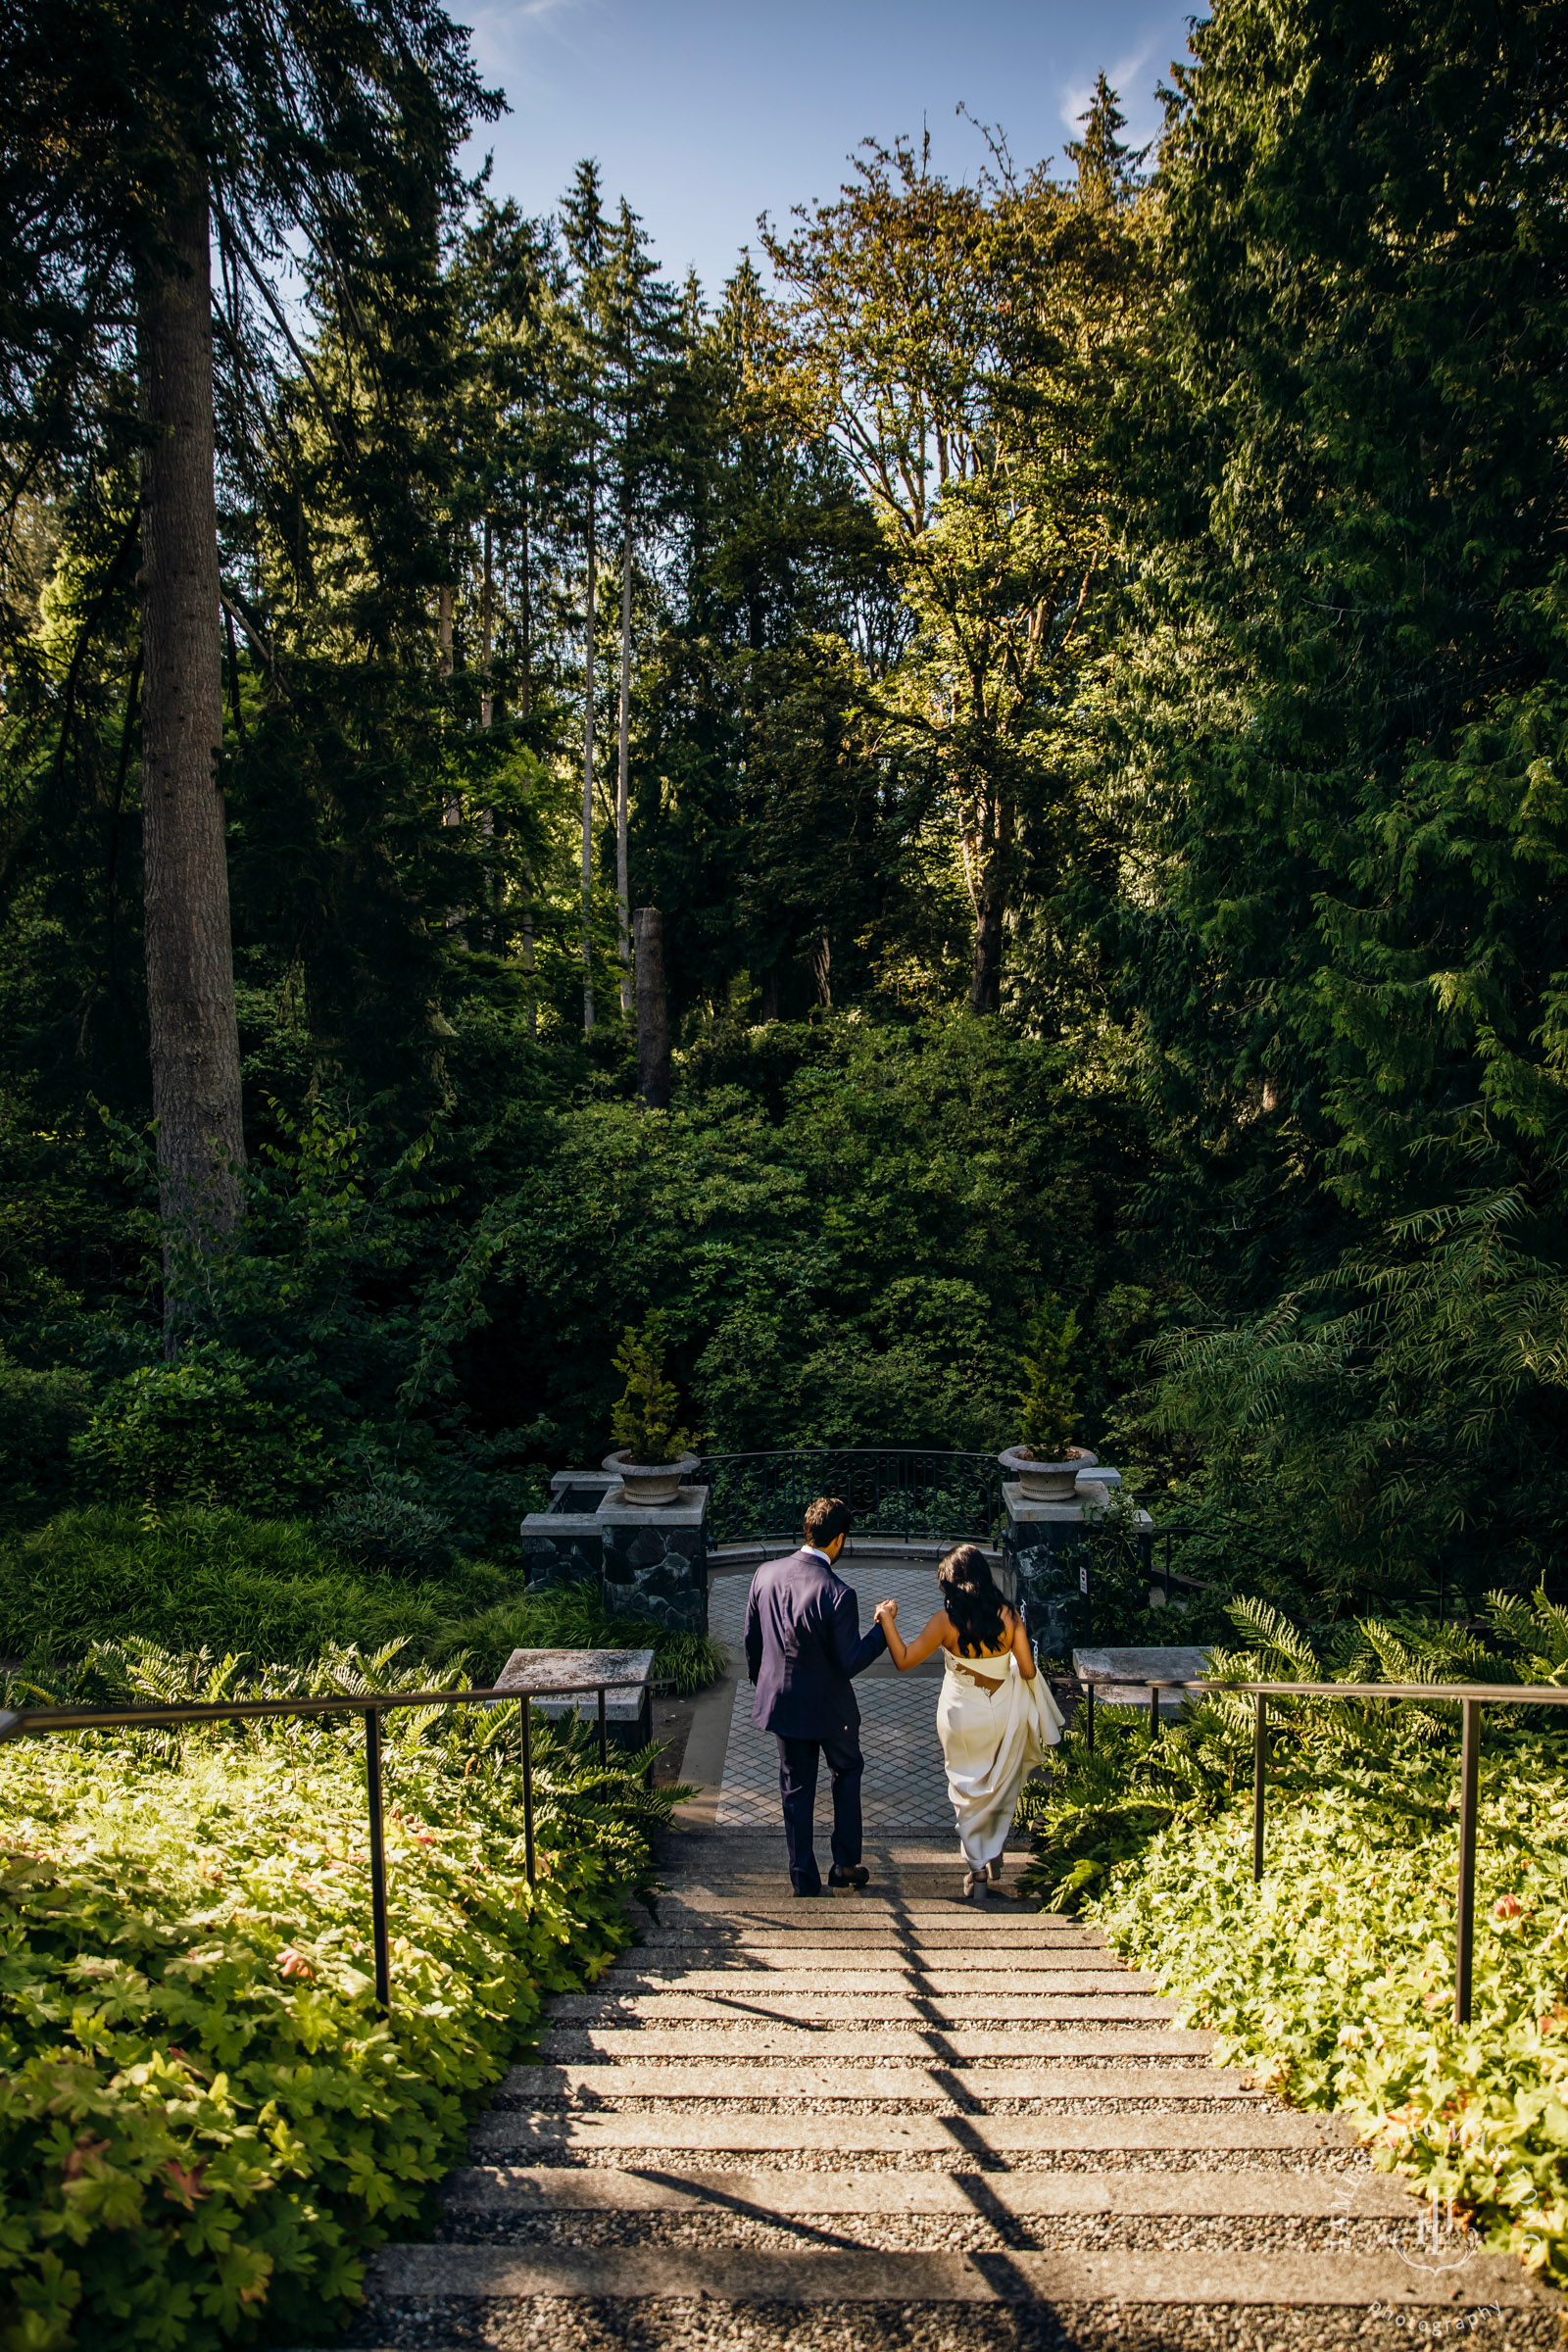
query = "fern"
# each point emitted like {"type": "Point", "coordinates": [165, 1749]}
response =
{"type": "Point", "coordinates": [1278, 1639]}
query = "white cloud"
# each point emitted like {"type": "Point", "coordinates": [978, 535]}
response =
{"type": "Point", "coordinates": [511, 36]}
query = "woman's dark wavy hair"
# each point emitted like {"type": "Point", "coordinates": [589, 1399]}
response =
{"type": "Point", "coordinates": [971, 1599]}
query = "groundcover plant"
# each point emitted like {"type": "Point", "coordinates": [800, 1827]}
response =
{"type": "Point", "coordinates": [206, 2123]}
{"type": "Point", "coordinates": [1333, 1979]}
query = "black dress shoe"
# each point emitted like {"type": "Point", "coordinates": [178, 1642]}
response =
{"type": "Point", "coordinates": [805, 1890]}
{"type": "Point", "coordinates": [853, 1874]}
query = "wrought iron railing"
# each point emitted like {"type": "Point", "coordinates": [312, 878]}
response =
{"type": "Point", "coordinates": [892, 1490]}
{"type": "Point", "coordinates": [34, 1722]}
{"type": "Point", "coordinates": [1469, 1697]}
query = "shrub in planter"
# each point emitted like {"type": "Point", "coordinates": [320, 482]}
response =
{"type": "Point", "coordinates": [1045, 1416]}
{"type": "Point", "coordinates": [645, 1421]}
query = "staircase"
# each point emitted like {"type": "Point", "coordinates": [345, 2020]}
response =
{"type": "Point", "coordinates": [826, 2124]}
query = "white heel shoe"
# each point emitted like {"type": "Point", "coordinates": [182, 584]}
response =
{"type": "Point", "coordinates": [974, 1886]}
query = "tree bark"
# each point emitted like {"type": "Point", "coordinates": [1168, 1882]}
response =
{"type": "Point", "coordinates": [588, 767]}
{"type": "Point", "coordinates": [486, 627]}
{"type": "Point", "coordinates": [990, 917]}
{"type": "Point", "coordinates": [988, 838]}
{"type": "Point", "coordinates": [524, 708]}
{"type": "Point", "coordinates": [190, 966]}
{"type": "Point", "coordinates": [821, 963]}
{"type": "Point", "coordinates": [653, 1011]}
{"type": "Point", "coordinates": [623, 877]}
{"type": "Point", "coordinates": [526, 682]}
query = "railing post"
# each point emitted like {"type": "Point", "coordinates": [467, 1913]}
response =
{"type": "Point", "coordinates": [1259, 1781]}
{"type": "Point", "coordinates": [1088, 1717]}
{"type": "Point", "coordinates": [1469, 1787]}
{"type": "Point", "coordinates": [373, 1783]}
{"type": "Point", "coordinates": [527, 1704]}
{"type": "Point", "coordinates": [1153, 1711]}
{"type": "Point", "coordinates": [604, 1729]}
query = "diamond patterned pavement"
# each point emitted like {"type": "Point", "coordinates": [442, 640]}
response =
{"type": "Point", "coordinates": [905, 1786]}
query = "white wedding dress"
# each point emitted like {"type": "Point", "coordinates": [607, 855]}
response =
{"type": "Point", "coordinates": [991, 1738]}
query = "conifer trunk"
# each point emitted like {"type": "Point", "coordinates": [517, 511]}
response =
{"type": "Point", "coordinates": [524, 707]}
{"type": "Point", "coordinates": [588, 767]}
{"type": "Point", "coordinates": [987, 861]}
{"type": "Point", "coordinates": [487, 626]}
{"type": "Point", "coordinates": [623, 877]}
{"type": "Point", "coordinates": [652, 1010]}
{"type": "Point", "coordinates": [990, 917]}
{"type": "Point", "coordinates": [526, 682]}
{"type": "Point", "coordinates": [193, 1033]}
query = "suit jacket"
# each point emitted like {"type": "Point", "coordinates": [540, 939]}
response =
{"type": "Point", "coordinates": [803, 1646]}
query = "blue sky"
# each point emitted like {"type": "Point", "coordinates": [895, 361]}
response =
{"type": "Point", "coordinates": [705, 113]}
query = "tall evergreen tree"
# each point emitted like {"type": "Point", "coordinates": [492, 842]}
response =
{"type": "Point", "coordinates": [128, 139]}
{"type": "Point", "coordinates": [589, 242]}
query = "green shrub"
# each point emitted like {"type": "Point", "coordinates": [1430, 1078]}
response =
{"type": "Point", "coordinates": [575, 1617]}
{"type": "Point", "coordinates": [270, 1589]}
{"type": "Point", "coordinates": [388, 1531]}
{"type": "Point", "coordinates": [197, 1431]}
{"type": "Point", "coordinates": [39, 1414]}
{"type": "Point", "coordinates": [200, 1579]}
{"type": "Point", "coordinates": [205, 2125]}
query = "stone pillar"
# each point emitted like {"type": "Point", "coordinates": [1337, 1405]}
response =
{"type": "Point", "coordinates": [656, 1560]}
{"type": "Point", "coordinates": [563, 1545]}
{"type": "Point", "coordinates": [1045, 1542]}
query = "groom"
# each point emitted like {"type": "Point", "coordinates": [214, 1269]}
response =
{"type": "Point", "coordinates": [802, 1646]}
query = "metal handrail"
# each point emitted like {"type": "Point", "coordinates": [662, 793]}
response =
{"type": "Point", "coordinates": [1471, 1697]}
{"type": "Point", "coordinates": [22, 1722]}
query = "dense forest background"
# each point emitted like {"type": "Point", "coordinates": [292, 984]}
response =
{"type": "Point", "coordinates": [1076, 659]}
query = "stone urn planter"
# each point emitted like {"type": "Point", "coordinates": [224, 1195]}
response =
{"type": "Point", "coordinates": [650, 1482]}
{"type": "Point", "coordinates": [1045, 1482]}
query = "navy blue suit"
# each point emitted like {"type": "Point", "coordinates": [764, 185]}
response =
{"type": "Point", "coordinates": [803, 1647]}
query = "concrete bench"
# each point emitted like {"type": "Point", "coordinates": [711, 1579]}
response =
{"type": "Point", "coordinates": [628, 1707]}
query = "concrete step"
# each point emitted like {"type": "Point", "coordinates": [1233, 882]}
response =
{"type": "Point", "coordinates": [776, 2001]}
{"type": "Point", "coordinates": [881, 2079]}
{"type": "Point", "coordinates": [836, 1933]}
{"type": "Point", "coordinates": [852, 1912]}
{"type": "Point", "coordinates": [747, 2274]}
{"type": "Point", "coordinates": [754, 1845]}
{"type": "Point", "coordinates": [810, 1955]}
{"type": "Point", "coordinates": [1144, 2190]}
{"type": "Point", "coordinates": [937, 1883]}
{"type": "Point", "coordinates": [876, 1976]}
{"type": "Point", "coordinates": [513, 2136]}
{"type": "Point", "coordinates": [912, 2042]}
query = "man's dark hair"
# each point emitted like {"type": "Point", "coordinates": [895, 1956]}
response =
{"type": "Point", "coordinates": [826, 1518]}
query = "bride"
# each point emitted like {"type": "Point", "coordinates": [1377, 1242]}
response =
{"type": "Point", "coordinates": [995, 1725]}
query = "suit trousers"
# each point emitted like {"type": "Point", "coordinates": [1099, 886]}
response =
{"type": "Point", "coordinates": [797, 1781]}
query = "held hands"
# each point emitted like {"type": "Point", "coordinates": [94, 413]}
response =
{"type": "Point", "coordinates": [884, 1612]}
